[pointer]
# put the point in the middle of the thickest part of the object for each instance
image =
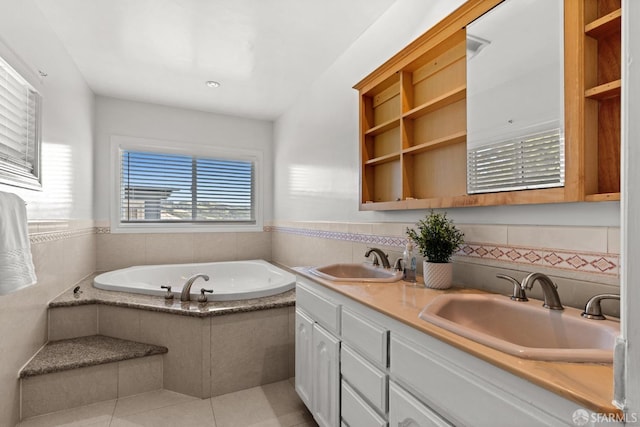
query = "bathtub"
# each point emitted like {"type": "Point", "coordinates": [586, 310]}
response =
{"type": "Point", "coordinates": [231, 280]}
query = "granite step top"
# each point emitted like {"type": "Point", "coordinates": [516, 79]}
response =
{"type": "Point", "coordinates": [63, 355]}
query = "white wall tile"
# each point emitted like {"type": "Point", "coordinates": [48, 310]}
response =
{"type": "Point", "coordinates": [589, 239]}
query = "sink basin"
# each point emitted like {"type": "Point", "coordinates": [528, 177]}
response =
{"type": "Point", "coordinates": [524, 329]}
{"type": "Point", "coordinates": [356, 273]}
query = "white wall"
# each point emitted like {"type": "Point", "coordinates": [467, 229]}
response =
{"type": "Point", "coordinates": [29, 45]}
{"type": "Point", "coordinates": [129, 118]}
{"type": "Point", "coordinates": [316, 140]}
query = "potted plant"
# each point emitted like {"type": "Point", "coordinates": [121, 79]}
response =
{"type": "Point", "coordinates": [437, 240]}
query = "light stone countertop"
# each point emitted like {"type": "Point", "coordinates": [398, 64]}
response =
{"type": "Point", "coordinates": [90, 295]}
{"type": "Point", "coordinates": [588, 384]}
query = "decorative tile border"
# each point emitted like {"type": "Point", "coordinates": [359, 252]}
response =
{"type": "Point", "coordinates": [585, 262]}
{"type": "Point", "coordinates": [370, 239]}
{"type": "Point", "coordinates": [52, 236]}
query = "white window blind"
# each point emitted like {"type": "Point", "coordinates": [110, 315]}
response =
{"type": "Point", "coordinates": [19, 130]}
{"type": "Point", "coordinates": [533, 161]}
{"type": "Point", "coordinates": [170, 188]}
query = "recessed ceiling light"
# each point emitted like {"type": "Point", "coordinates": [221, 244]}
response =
{"type": "Point", "coordinates": [212, 83]}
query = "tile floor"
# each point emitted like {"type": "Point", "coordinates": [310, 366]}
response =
{"type": "Point", "coordinates": [270, 405]}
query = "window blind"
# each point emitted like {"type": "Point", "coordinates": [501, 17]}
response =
{"type": "Point", "coordinates": [19, 129]}
{"type": "Point", "coordinates": [533, 161]}
{"type": "Point", "coordinates": [170, 188]}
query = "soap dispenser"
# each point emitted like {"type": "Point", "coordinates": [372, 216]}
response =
{"type": "Point", "coordinates": [409, 263]}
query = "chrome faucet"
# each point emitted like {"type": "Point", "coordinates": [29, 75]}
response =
{"type": "Point", "coordinates": [519, 293]}
{"type": "Point", "coordinates": [549, 289]}
{"type": "Point", "coordinates": [378, 255]}
{"type": "Point", "coordinates": [593, 310]}
{"type": "Point", "coordinates": [185, 295]}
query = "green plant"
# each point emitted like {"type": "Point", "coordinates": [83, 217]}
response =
{"type": "Point", "coordinates": [437, 238]}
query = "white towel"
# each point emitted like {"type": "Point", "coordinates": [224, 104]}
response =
{"type": "Point", "coordinates": [16, 264]}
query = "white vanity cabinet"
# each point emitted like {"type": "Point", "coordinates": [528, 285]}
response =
{"type": "Point", "coordinates": [318, 355]}
{"type": "Point", "coordinates": [358, 367]}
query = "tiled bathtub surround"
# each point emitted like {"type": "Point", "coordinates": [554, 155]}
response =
{"type": "Point", "coordinates": [221, 347]}
{"type": "Point", "coordinates": [582, 260]}
{"type": "Point", "coordinates": [116, 251]}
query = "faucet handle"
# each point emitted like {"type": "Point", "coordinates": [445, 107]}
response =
{"type": "Point", "coordinates": [169, 294]}
{"type": "Point", "coordinates": [593, 310]}
{"type": "Point", "coordinates": [519, 293]}
{"type": "Point", "coordinates": [203, 297]}
{"type": "Point", "coordinates": [376, 262]}
{"type": "Point", "coordinates": [398, 264]}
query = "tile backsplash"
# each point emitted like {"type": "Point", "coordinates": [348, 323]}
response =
{"type": "Point", "coordinates": [581, 260]}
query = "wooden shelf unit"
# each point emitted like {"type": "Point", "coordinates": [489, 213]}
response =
{"type": "Point", "coordinates": [602, 84]}
{"type": "Point", "coordinates": [413, 116]}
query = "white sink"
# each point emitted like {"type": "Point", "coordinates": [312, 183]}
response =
{"type": "Point", "coordinates": [356, 273]}
{"type": "Point", "coordinates": [524, 329]}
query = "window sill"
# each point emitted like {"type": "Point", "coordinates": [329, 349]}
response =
{"type": "Point", "coordinates": [185, 228]}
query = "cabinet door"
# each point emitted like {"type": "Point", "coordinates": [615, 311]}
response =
{"type": "Point", "coordinates": [304, 360]}
{"type": "Point", "coordinates": [325, 378]}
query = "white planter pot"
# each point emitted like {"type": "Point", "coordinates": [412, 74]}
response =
{"type": "Point", "coordinates": [437, 275]}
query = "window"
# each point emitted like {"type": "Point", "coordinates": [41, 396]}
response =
{"type": "Point", "coordinates": [19, 130]}
{"type": "Point", "coordinates": [185, 189]}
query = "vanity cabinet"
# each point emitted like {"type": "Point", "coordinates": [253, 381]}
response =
{"type": "Point", "coordinates": [413, 130]}
{"type": "Point", "coordinates": [318, 355]}
{"type": "Point", "coordinates": [372, 370]}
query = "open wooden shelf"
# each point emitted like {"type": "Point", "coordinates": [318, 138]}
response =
{"type": "Point", "coordinates": [383, 127]}
{"type": "Point", "coordinates": [448, 98]}
{"type": "Point", "coordinates": [436, 143]}
{"type": "Point", "coordinates": [604, 197]}
{"type": "Point", "coordinates": [602, 74]}
{"type": "Point", "coordinates": [604, 91]}
{"type": "Point", "coordinates": [604, 25]}
{"type": "Point", "coordinates": [383, 159]}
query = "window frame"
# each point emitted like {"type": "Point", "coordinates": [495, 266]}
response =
{"type": "Point", "coordinates": [33, 180]}
{"type": "Point", "coordinates": [123, 143]}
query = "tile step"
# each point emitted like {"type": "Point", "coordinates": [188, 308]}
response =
{"type": "Point", "coordinates": [74, 353]}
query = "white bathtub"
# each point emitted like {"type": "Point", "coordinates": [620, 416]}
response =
{"type": "Point", "coordinates": [231, 280]}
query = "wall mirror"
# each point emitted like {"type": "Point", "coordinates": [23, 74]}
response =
{"type": "Point", "coordinates": [515, 97]}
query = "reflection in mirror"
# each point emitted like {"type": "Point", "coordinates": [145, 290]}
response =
{"type": "Point", "coordinates": [515, 111]}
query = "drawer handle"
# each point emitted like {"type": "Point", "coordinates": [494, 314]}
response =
{"type": "Point", "coordinates": [407, 422]}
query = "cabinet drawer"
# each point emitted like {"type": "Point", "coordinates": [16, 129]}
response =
{"type": "Point", "coordinates": [356, 412]}
{"type": "Point", "coordinates": [457, 394]}
{"type": "Point", "coordinates": [368, 337]}
{"type": "Point", "coordinates": [364, 377]}
{"type": "Point", "coordinates": [406, 411]}
{"type": "Point", "coordinates": [323, 311]}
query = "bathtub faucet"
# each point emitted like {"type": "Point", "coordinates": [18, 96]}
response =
{"type": "Point", "coordinates": [186, 290]}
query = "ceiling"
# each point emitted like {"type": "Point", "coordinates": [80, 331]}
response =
{"type": "Point", "coordinates": [264, 53]}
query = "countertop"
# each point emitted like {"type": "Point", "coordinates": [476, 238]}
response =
{"type": "Point", "coordinates": [588, 384]}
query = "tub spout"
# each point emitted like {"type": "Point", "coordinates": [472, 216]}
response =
{"type": "Point", "coordinates": [186, 290]}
